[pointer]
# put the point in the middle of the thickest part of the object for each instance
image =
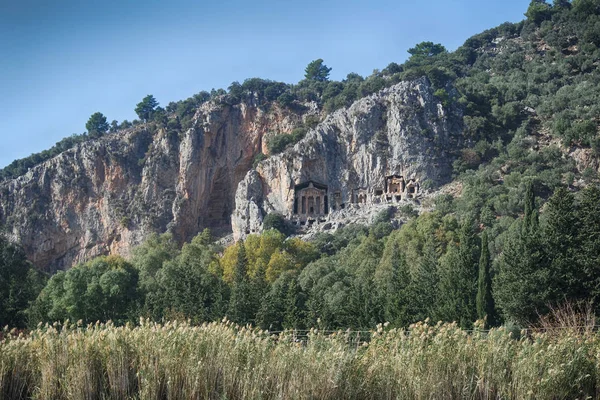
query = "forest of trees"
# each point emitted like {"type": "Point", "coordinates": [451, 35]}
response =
{"type": "Point", "coordinates": [442, 266]}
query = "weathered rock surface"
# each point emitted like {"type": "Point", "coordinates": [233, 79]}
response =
{"type": "Point", "coordinates": [105, 196]}
{"type": "Point", "coordinates": [401, 130]}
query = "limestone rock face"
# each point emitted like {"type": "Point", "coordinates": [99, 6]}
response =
{"type": "Point", "coordinates": [105, 196]}
{"type": "Point", "coordinates": [402, 130]}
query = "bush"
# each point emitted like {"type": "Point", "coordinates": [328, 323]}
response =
{"type": "Point", "coordinates": [278, 143]}
{"type": "Point", "coordinates": [257, 159]}
{"type": "Point", "coordinates": [286, 99]}
{"type": "Point", "coordinates": [278, 222]}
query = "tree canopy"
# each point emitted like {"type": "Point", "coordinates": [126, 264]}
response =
{"type": "Point", "coordinates": [97, 125]}
{"type": "Point", "coordinates": [427, 49]}
{"type": "Point", "coordinates": [20, 284]}
{"type": "Point", "coordinates": [317, 71]}
{"type": "Point", "coordinates": [146, 108]}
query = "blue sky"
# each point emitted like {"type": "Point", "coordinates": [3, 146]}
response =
{"type": "Point", "coordinates": [64, 60]}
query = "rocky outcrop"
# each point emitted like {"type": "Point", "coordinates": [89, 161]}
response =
{"type": "Point", "coordinates": [105, 196]}
{"type": "Point", "coordinates": [403, 130]}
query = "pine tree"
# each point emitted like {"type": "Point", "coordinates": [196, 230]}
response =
{"type": "Point", "coordinates": [316, 70]}
{"type": "Point", "coordinates": [424, 287]}
{"type": "Point", "coordinates": [97, 125]}
{"type": "Point", "coordinates": [293, 317]}
{"type": "Point", "coordinates": [485, 301]}
{"type": "Point", "coordinates": [240, 302]}
{"type": "Point", "coordinates": [458, 281]}
{"type": "Point", "coordinates": [392, 281]}
{"type": "Point", "coordinates": [589, 240]}
{"type": "Point", "coordinates": [531, 219]}
{"type": "Point", "coordinates": [522, 286]}
{"type": "Point", "coordinates": [362, 266]}
{"type": "Point", "coordinates": [260, 287]}
{"type": "Point", "coordinates": [271, 312]}
{"type": "Point", "coordinates": [146, 108]}
{"type": "Point", "coordinates": [561, 243]}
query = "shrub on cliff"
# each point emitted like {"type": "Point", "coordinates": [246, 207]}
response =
{"type": "Point", "coordinates": [278, 143]}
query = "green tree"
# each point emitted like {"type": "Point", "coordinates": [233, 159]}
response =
{"type": "Point", "coordinates": [392, 281]}
{"type": "Point", "coordinates": [277, 309]}
{"type": "Point", "coordinates": [426, 49]}
{"type": "Point", "coordinates": [97, 125]}
{"type": "Point", "coordinates": [102, 289]}
{"type": "Point", "coordinates": [293, 316]}
{"type": "Point", "coordinates": [562, 247]}
{"type": "Point", "coordinates": [20, 284]}
{"type": "Point", "coordinates": [186, 285]}
{"type": "Point", "coordinates": [523, 284]}
{"type": "Point", "coordinates": [240, 301]}
{"type": "Point", "coordinates": [361, 264]}
{"type": "Point", "coordinates": [561, 4]}
{"type": "Point", "coordinates": [317, 71]}
{"type": "Point", "coordinates": [149, 258]}
{"type": "Point", "coordinates": [531, 219]}
{"type": "Point", "coordinates": [276, 221]}
{"type": "Point", "coordinates": [114, 126]}
{"type": "Point", "coordinates": [589, 239]}
{"type": "Point", "coordinates": [146, 108]}
{"type": "Point", "coordinates": [424, 290]}
{"type": "Point", "coordinates": [259, 287]}
{"type": "Point", "coordinates": [485, 301]}
{"type": "Point", "coordinates": [458, 279]}
{"type": "Point", "coordinates": [585, 8]}
{"type": "Point", "coordinates": [538, 11]}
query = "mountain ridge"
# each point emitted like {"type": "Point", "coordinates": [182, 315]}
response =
{"type": "Point", "coordinates": [528, 111]}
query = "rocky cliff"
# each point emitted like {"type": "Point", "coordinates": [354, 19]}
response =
{"type": "Point", "coordinates": [403, 130]}
{"type": "Point", "coordinates": [105, 196]}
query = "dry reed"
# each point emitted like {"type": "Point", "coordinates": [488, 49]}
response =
{"type": "Point", "coordinates": [224, 361]}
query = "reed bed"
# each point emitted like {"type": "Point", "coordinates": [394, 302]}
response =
{"type": "Point", "coordinates": [225, 361]}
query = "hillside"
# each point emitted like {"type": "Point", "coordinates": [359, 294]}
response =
{"type": "Point", "coordinates": [458, 162]}
{"type": "Point", "coordinates": [504, 102]}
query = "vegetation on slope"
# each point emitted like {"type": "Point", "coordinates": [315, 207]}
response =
{"type": "Point", "coordinates": [519, 84]}
{"type": "Point", "coordinates": [521, 239]}
{"type": "Point", "coordinates": [442, 265]}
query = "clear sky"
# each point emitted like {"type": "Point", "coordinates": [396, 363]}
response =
{"type": "Point", "coordinates": [64, 60]}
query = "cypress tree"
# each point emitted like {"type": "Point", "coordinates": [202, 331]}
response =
{"type": "Point", "coordinates": [561, 243]}
{"type": "Point", "coordinates": [293, 317]}
{"type": "Point", "coordinates": [524, 284]}
{"type": "Point", "coordinates": [260, 286]}
{"type": "Point", "coordinates": [392, 281]}
{"type": "Point", "coordinates": [424, 287]}
{"type": "Point", "coordinates": [485, 301]}
{"type": "Point", "coordinates": [240, 302]}
{"type": "Point", "coordinates": [589, 241]}
{"type": "Point", "coordinates": [531, 219]}
{"type": "Point", "coordinates": [458, 280]}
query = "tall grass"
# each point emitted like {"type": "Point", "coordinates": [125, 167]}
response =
{"type": "Point", "coordinates": [223, 361]}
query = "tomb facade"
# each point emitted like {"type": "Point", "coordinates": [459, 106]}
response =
{"type": "Point", "coordinates": [313, 201]}
{"type": "Point", "coordinates": [310, 201]}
